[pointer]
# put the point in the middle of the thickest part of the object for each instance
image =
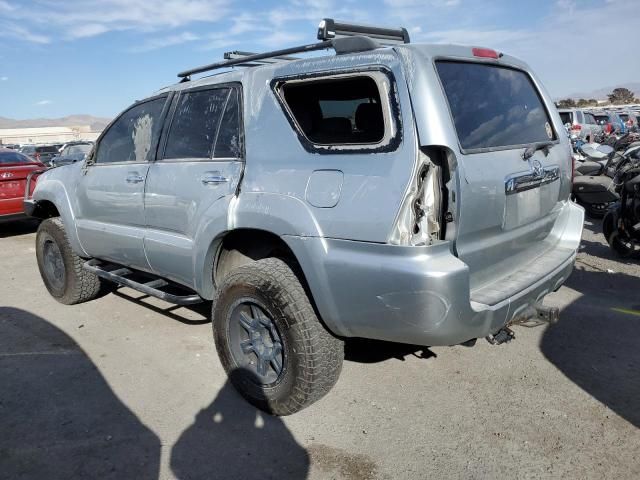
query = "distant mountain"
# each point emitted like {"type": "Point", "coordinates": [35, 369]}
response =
{"type": "Point", "coordinates": [601, 93]}
{"type": "Point", "coordinates": [96, 123]}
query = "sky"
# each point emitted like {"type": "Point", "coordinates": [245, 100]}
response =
{"type": "Point", "coordinates": [62, 57]}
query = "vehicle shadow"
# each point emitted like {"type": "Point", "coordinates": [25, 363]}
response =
{"type": "Point", "coordinates": [58, 416]}
{"type": "Point", "coordinates": [18, 227]}
{"type": "Point", "coordinates": [362, 350]}
{"type": "Point", "coordinates": [230, 439]}
{"type": "Point", "coordinates": [595, 344]}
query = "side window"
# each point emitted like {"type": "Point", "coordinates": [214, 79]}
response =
{"type": "Point", "coordinates": [133, 136]}
{"type": "Point", "coordinates": [338, 111]}
{"type": "Point", "coordinates": [580, 117]}
{"type": "Point", "coordinates": [229, 140]}
{"type": "Point", "coordinates": [196, 123]}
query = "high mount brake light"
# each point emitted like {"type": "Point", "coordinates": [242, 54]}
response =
{"type": "Point", "coordinates": [485, 53]}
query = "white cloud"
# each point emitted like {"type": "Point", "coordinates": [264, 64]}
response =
{"type": "Point", "coordinates": [86, 18]}
{"type": "Point", "coordinates": [44, 102]}
{"type": "Point", "coordinates": [4, 79]}
{"type": "Point", "coordinates": [10, 30]}
{"type": "Point", "coordinates": [168, 41]}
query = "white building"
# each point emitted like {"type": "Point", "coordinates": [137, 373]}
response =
{"type": "Point", "coordinates": [46, 134]}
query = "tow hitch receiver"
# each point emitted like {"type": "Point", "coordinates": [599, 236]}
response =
{"type": "Point", "coordinates": [531, 317]}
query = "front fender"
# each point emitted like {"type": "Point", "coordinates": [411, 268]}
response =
{"type": "Point", "coordinates": [54, 186]}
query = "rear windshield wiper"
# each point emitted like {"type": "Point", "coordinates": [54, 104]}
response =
{"type": "Point", "coordinates": [534, 147]}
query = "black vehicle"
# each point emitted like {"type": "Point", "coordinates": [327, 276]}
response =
{"type": "Point", "coordinates": [40, 153]}
{"type": "Point", "coordinates": [621, 224]}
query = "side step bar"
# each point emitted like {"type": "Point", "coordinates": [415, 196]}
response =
{"type": "Point", "coordinates": [151, 287]}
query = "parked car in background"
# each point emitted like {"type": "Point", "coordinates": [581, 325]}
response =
{"type": "Point", "coordinates": [40, 153]}
{"type": "Point", "coordinates": [610, 122]}
{"type": "Point", "coordinates": [583, 124]}
{"type": "Point", "coordinates": [630, 119]}
{"type": "Point", "coordinates": [14, 170]}
{"type": "Point", "coordinates": [71, 153]}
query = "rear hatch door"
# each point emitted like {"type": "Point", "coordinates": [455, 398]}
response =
{"type": "Point", "coordinates": [509, 200]}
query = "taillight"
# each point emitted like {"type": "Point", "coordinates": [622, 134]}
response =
{"type": "Point", "coordinates": [608, 128]}
{"type": "Point", "coordinates": [485, 53]}
{"type": "Point", "coordinates": [576, 127]}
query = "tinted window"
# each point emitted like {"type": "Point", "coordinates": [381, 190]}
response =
{"type": "Point", "coordinates": [48, 149]}
{"type": "Point", "coordinates": [566, 117]}
{"type": "Point", "coordinates": [195, 123]}
{"type": "Point", "coordinates": [601, 119]}
{"type": "Point", "coordinates": [133, 136]}
{"type": "Point", "coordinates": [580, 117]}
{"type": "Point", "coordinates": [493, 106]}
{"type": "Point", "coordinates": [624, 116]}
{"type": "Point", "coordinates": [14, 157]}
{"type": "Point", "coordinates": [337, 111]}
{"type": "Point", "coordinates": [229, 140]}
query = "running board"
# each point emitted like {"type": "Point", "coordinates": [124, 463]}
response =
{"type": "Point", "coordinates": [151, 287]}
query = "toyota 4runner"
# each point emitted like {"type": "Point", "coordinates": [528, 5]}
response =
{"type": "Point", "coordinates": [394, 191]}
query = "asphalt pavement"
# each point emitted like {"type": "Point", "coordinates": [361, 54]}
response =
{"type": "Point", "coordinates": [130, 387]}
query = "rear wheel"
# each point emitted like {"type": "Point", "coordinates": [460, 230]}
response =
{"type": "Point", "coordinates": [273, 347]}
{"type": "Point", "coordinates": [60, 268]}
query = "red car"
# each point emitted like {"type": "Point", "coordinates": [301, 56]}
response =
{"type": "Point", "coordinates": [14, 170]}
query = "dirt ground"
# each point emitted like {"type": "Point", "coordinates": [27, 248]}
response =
{"type": "Point", "coordinates": [130, 387]}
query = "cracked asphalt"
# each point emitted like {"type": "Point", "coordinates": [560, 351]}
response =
{"type": "Point", "coordinates": [130, 387]}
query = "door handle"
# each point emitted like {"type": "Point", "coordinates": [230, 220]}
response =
{"type": "Point", "coordinates": [213, 178]}
{"type": "Point", "coordinates": [134, 178]}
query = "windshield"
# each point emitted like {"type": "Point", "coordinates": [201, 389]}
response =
{"type": "Point", "coordinates": [493, 107]}
{"type": "Point", "coordinates": [14, 157]}
{"type": "Point", "coordinates": [77, 149]}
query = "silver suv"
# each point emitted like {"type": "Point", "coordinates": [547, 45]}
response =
{"type": "Point", "coordinates": [410, 193]}
{"type": "Point", "coordinates": [582, 123]}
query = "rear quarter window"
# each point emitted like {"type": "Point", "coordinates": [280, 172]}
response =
{"type": "Point", "coordinates": [493, 107]}
{"type": "Point", "coordinates": [566, 117]}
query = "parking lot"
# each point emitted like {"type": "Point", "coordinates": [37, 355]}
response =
{"type": "Point", "coordinates": [130, 387]}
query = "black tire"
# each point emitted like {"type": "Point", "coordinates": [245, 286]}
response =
{"type": "Point", "coordinates": [311, 357]}
{"type": "Point", "coordinates": [614, 239]}
{"type": "Point", "coordinates": [60, 268]}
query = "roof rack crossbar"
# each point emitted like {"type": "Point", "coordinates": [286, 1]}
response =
{"type": "Point", "coordinates": [238, 54]}
{"type": "Point", "coordinates": [330, 28]}
{"type": "Point", "coordinates": [259, 56]}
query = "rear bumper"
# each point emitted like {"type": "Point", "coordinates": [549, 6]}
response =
{"type": "Point", "coordinates": [417, 295]}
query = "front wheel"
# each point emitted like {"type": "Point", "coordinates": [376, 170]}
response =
{"type": "Point", "coordinates": [276, 352]}
{"type": "Point", "coordinates": [60, 268]}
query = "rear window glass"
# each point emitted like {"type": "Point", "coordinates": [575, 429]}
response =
{"type": "Point", "coordinates": [14, 157]}
{"type": "Point", "coordinates": [49, 149]}
{"type": "Point", "coordinates": [337, 111]}
{"type": "Point", "coordinates": [567, 117]}
{"type": "Point", "coordinates": [493, 107]}
{"type": "Point", "coordinates": [602, 119]}
{"type": "Point", "coordinates": [624, 116]}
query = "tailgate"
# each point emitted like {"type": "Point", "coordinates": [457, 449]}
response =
{"type": "Point", "coordinates": [507, 203]}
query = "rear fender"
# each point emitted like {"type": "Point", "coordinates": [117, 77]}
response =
{"type": "Point", "coordinates": [272, 213]}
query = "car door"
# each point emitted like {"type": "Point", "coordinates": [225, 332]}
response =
{"type": "Point", "coordinates": [110, 218]}
{"type": "Point", "coordinates": [199, 167]}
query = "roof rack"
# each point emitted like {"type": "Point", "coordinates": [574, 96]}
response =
{"type": "Point", "coordinates": [329, 28]}
{"type": "Point", "coordinates": [342, 37]}
{"type": "Point", "coordinates": [237, 54]}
